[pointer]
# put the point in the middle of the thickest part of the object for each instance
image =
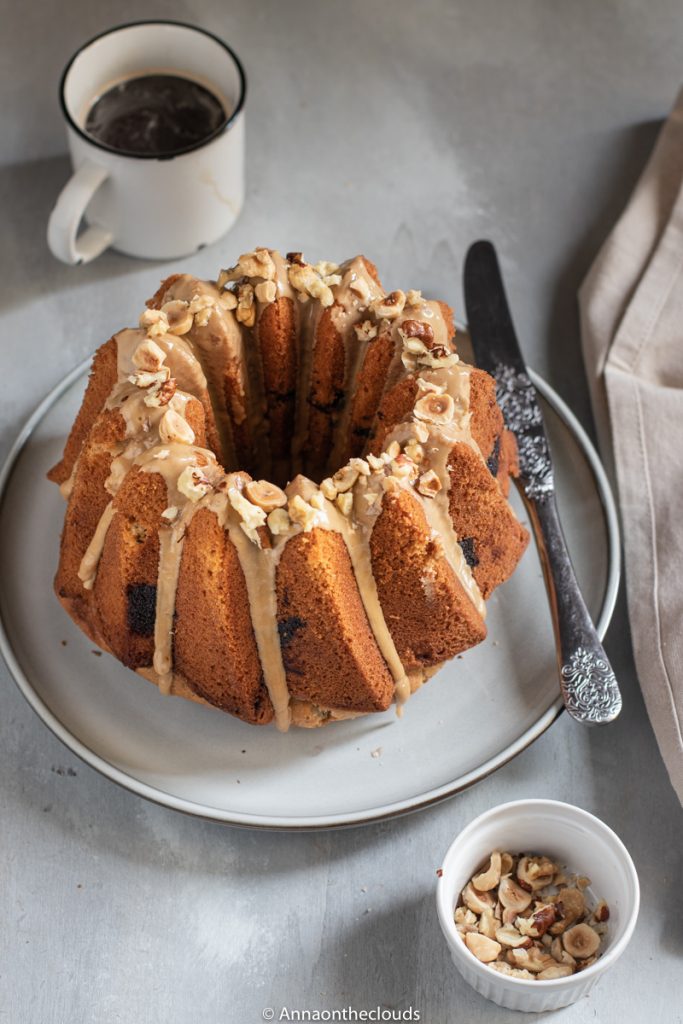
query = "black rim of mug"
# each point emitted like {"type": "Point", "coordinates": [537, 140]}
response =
{"type": "Point", "coordinates": [148, 156]}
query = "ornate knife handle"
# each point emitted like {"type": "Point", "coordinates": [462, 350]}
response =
{"type": "Point", "coordinates": [589, 687]}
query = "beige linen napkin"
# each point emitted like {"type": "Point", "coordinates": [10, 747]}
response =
{"type": "Point", "coordinates": [632, 330]}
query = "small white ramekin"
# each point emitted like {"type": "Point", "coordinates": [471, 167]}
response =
{"type": "Point", "coordinates": [572, 837]}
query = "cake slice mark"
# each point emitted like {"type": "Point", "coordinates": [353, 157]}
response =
{"type": "Point", "coordinates": [357, 541]}
{"type": "Point", "coordinates": [259, 566]}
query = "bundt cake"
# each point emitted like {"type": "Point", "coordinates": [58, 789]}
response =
{"type": "Point", "coordinates": [188, 555]}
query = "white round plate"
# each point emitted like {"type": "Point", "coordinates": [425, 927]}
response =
{"type": "Point", "coordinates": [197, 760]}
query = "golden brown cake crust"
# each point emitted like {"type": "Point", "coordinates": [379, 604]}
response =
{"type": "Point", "coordinates": [333, 597]}
{"type": "Point", "coordinates": [337, 667]}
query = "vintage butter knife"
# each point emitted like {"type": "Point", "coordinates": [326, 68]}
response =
{"type": "Point", "coordinates": [589, 687]}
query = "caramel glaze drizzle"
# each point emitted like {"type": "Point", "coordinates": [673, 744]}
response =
{"type": "Point", "coordinates": [210, 487]}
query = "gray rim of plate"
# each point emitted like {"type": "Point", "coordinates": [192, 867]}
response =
{"type": "Point", "coordinates": [380, 813]}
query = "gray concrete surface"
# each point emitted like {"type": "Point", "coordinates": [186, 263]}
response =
{"type": "Point", "coordinates": [403, 130]}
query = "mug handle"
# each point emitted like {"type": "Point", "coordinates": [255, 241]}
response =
{"type": "Point", "coordinates": [62, 229]}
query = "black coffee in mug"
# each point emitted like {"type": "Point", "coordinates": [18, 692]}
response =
{"type": "Point", "coordinates": [155, 115]}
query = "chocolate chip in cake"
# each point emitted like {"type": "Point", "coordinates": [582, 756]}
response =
{"type": "Point", "coordinates": [288, 628]}
{"type": "Point", "coordinates": [467, 545]}
{"type": "Point", "coordinates": [142, 600]}
{"type": "Point", "coordinates": [494, 458]}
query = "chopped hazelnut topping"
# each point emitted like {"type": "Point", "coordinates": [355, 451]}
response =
{"type": "Point", "coordinates": [366, 330]}
{"type": "Point", "coordinates": [264, 494]}
{"type": "Point", "coordinates": [303, 513]}
{"type": "Point", "coordinates": [279, 521]}
{"type": "Point", "coordinates": [154, 321]}
{"type": "Point", "coordinates": [433, 408]}
{"type": "Point", "coordinates": [258, 263]}
{"type": "Point", "coordinates": [507, 923]}
{"type": "Point", "coordinates": [148, 356]}
{"type": "Point", "coordinates": [345, 478]}
{"type": "Point", "coordinates": [417, 331]}
{"type": "Point", "coordinates": [173, 427]}
{"type": "Point", "coordinates": [266, 291]}
{"type": "Point", "coordinates": [146, 379]}
{"type": "Point", "coordinates": [178, 314]}
{"type": "Point", "coordinates": [193, 484]}
{"type": "Point", "coordinates": [361, 287]}
{"type": "Point", "coordinates": [429, 484]}
{"type": "Point", "coordinates": [252, 517]}
{"type": "Point", "coordinates": [160, 394]}
{"type": "Point", "coordinates": [389, 306]}
{"type": "Point", "coordinates": [246, 310]}
{"type": "Point", "coordinates": [328, 488]}
{"type": "Point", "coordinates": [344, 503]}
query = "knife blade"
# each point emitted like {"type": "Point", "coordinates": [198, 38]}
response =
{"type": "Point", "coordinates": [588, 684]}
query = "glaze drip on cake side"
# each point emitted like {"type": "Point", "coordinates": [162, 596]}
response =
{"type": "Point", "coordinates": [344, 372]}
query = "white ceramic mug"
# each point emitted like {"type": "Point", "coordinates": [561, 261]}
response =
{"type": "Point", "coordinates": [152, 207]}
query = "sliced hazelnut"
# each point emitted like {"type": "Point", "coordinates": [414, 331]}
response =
{"type": "Point", "coordinates": [178, 314]}
{"type": "Point", "coordinates": [536, 871]}
{"type": "Point", "coordinates": [228, 300]}
{"type": "Point", "coordinates": [392, 451]}
{"type": "Point", "coordinates": [512, 896]}
{"type": "Point", "coordinates": [171, 513]}
{"type": "Point", "coordinates": [317, 500]}
{"type": "Point", "coordinates": [148, 356]}
{"type": "Point", "coordinates": [555, 971]}
{"type": "Point", "coordinates": [571, 906]}
{"type": "Point", "coordinates": [435, 408]}
{"type": "Point", "coordinates": [345, 478]}
{"type": "Point", "coordinates": [264, 494]}
{"type": "Point", "coordinates": [581, 941]}
{"type": "Point", "coordinates": [509, 936]}
{"type": "Point", "coordinates": [484, 949]}
{"type": "Point", "coordinates": [173, 427]}
{"type": "Point", "coordinates": [489, 878]}
{"type": "Point", "coordinates": [477, 901]}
